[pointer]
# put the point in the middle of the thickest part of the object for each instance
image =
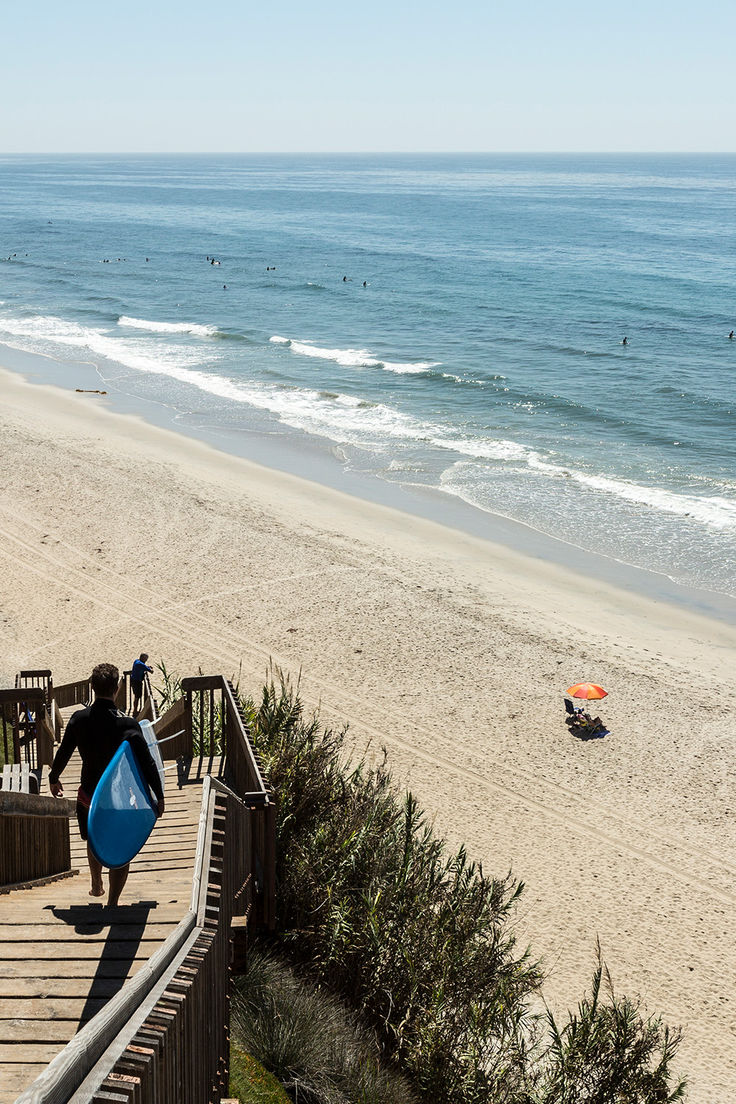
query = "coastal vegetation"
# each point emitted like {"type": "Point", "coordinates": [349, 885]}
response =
{"type": "Point", "coordinates": [313, 1043]}
{"type": "Point", "coordinates": [250, 1083]}
{"type": "Point", "coordinates": [416, 943]}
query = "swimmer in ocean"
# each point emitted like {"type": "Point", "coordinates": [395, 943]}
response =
{"type": "Point", "coordinates": [625, 341]}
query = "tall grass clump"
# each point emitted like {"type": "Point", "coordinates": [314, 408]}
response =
{"type": "Point", "coordinates": [607, 1053]}
{"type": "Point", "coordinates": [313, 1044]}
{"type": "Point", "coordinates": [419, 940]}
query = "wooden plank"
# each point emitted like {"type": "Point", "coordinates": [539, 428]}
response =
{"type": "Point", "coordinates": [25, 804]}
{"type": "Point", "coordinates": [98, 932]}
{"type": "Point", "coordinates": [23, 1053]}
{"type": "Point", "coordinates": [203, 682]}
{"type": "Point", "coordinates": [173, 841]}
{"type": "Point", "coordinates": [67, 987]}
{"type": "Point", "coordinates": [34, 883]}
{"type": "Point", "coordinates": [149, 866]}
{"type": "Point", "coordinates": [32, 695]}
{"type": "Point", "coordinates": [39, 1031]}
{"type": "Point", "coordinates": [91, 915]}
{"type": "Point", "coordinates": [86, 1048]}
{"type": "Point", "coordinates": [72, 968]}
{"type": "Point", "coordinates": [52, 951]}
{"type": "Point", "coordinates": [17, 1075]}
{"type": "Point", "coordinates": [49, 1008]}
{"type": "Point", "coordinates": [15, 1079]}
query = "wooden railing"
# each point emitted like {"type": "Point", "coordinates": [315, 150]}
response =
{"type": "Point", "coordinates": [35, 837]}
{"type": "Point", "coordinates": [213, 724]}
{"type": "Point", "coordinates": [163, 1039]}
{"type": "Point", "coordinates": [42, 679]}
{"type": "Point", "coordinates": [72, 693]}
{"type": "Point", "coordinates": [26, 726]}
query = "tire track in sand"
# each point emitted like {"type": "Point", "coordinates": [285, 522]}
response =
{"type": "Point", "coordinates": [194, 629]}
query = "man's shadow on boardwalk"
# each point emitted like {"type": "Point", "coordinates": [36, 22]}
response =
{"type": "Point", "coordinates": [125, 927]}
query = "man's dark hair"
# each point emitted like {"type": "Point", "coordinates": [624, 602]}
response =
{"type": "Point", "coordinates": [144, 657]}
{"type": "Point", "coordinates": [105, 679]}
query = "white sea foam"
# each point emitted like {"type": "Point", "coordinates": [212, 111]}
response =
{"type": "Point", "coordinates": [712, 510]}
{"type": "Point", "coordinates": [487, 449]}
{"type": "Point", "coordinates": [416, 369]}
{"type": "Point", "coordinates": [345, 418]}
{"type": "Point", "coordinates": [45, 333]}
{"type": "Point", "coordinates": [342, 418]}
{"type": "Point", "coordinates": [354, 358]}
{"type": "Point", "coordinates": [194, 328]}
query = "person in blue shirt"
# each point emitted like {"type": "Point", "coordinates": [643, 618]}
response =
{"type": "Point", "coordinates": [137, 678]}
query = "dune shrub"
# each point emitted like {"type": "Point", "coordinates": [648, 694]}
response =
{"type": "Point", "coordinates": [312, 1043]}
{"type": "Point", "coordinates": [419, 940]}
{"type": "Point", "coordinates": [607, 1052]}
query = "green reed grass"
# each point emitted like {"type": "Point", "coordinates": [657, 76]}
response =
{"type": "Point", "coordinates": [310, 1041]}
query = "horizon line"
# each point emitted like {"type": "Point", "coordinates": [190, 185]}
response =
{"type": "Point", "coordinates": [369, 153]}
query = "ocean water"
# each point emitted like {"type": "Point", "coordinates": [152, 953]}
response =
{"type": "Point", "coordinates": [449, 322]}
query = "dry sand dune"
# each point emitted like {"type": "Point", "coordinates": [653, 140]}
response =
{"type": "Point", "coordinates": [450, 651]}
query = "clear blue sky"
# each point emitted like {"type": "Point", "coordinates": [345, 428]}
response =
{"type": "Point", "coordinates": [231, 75]}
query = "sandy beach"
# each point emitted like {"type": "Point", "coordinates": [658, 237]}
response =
{"type": "Point", "coordinates": [453, 652]}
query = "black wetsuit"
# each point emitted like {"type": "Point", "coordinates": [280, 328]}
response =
{"type": "Point", "coordinates": [98, 731]}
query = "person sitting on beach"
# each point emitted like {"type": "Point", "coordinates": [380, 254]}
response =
{"type": "Point", "coordinates": [586, 724]}
{"type": "Point", "coordinates": [137, 678]}
{"type": "Point", "coordinates": [97, 732]}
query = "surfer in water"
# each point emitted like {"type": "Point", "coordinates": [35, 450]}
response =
{"type": "Point", "coordinates": [97, 733]}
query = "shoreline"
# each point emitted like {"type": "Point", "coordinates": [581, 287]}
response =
{"type": "Point", "coordinates": [293, 453]}
{"type": "Point", "coordinates": [451, 651]}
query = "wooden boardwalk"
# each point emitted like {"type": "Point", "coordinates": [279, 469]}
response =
{"type": "Point", "coordinates": [63, 954]}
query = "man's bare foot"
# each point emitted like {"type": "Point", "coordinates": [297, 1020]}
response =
{"type": "Point", "coordinates": [97, 890]}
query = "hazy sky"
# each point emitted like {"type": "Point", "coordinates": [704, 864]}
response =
{"type": "Point", "coordinates": [316, 75]}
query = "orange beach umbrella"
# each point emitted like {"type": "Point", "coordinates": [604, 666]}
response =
{"type": "Point", "coordinates": [588, 690]}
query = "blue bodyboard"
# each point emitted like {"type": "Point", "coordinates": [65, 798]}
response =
{"type": "Point", "coordinates": [122, 813]}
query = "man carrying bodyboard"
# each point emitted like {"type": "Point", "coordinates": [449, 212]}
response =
{"type": "Point", "coordinates": [98, 732]}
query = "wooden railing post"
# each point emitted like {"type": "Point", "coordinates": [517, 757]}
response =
{"type": "Point", "coordinates": [122, 696]}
